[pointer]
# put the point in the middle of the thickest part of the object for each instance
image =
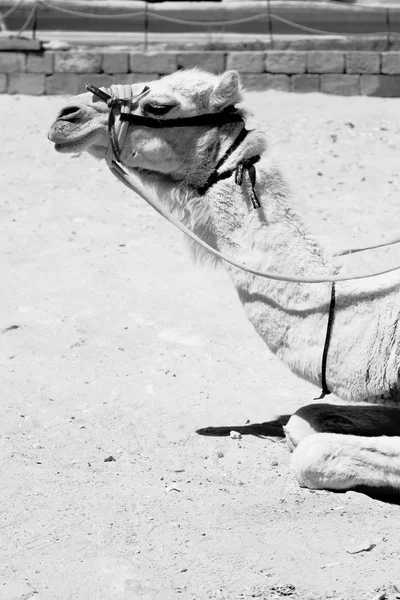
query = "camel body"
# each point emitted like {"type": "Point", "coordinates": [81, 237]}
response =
{"type": "Point", "coordinates": [363, 358]}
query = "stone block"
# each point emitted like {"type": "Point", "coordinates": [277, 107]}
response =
{"type": "Point", "coordinates": [286, 62]}
{"type": "Point", "coordinates": [12, 62]}
{"type": "Point", "coordinates": [62, 83]}
{"type": "Point", "coordinates": [97, 79]}
{"type": "Point", "coordinates": [325, 62]}
{"type": "Point", "coordinates": [363, 62]}
{"type": "Point", "coordinates": [3, 84]}
{"type": "Point", "coordinates": [380, 85]}
{"type": "Point", "coordinates": [115, 62]}
{"type": "Point", "coordinates": [153, 62]}
{"type": "Point", "coordinates": [246, 62]}
{"type": "Point", "coordinates": [342, 85]}
{"type": "Point", "coordinates": [77, 62]}
{"type": "Point", "coordinates": [265, 81]}
{"type": "Point", "coordinates": [40, 63]}
{"type": "Point", "coordinates": [390, 63]}
{"type": "Point", "coordinates": [26, 83]}
{"type": "Point", "coordinates": [306, 83]}
{"type": "Point", "coordinates": [22, 44]}
{"type": "Point", "coordinates": [209, 61]}
{"type": "Point", "coordinates": [132, 78]}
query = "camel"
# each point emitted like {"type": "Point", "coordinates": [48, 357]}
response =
{"type": "Point", "coordinates": [216, 173]}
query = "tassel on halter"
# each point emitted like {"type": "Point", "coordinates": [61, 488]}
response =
{"type": "Point", "coordinates": [244, 165]}
{"type": "Point", "coordinates": [248, 165]}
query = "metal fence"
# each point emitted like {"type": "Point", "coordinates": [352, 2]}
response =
{"type": "Point", "coordinates": [376, 19]}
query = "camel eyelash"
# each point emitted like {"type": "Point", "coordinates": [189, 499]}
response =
{"type": "Point", "coordinates": [157, 109]}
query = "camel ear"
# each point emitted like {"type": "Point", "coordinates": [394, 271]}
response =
{"type": "Point", "coordinates": [226, 91]}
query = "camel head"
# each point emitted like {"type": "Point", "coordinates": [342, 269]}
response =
{"type": "Point", "coordinates": [182, 153]}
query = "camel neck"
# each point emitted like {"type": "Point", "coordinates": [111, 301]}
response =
{"type": "Point", "coordinates": [274, 238]}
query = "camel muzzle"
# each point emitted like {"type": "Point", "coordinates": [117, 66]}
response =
{"type": "Point", "coordinates": [66, 124]}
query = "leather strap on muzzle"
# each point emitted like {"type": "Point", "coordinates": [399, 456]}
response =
{"type": "Point", "coordinates": [120, 103]}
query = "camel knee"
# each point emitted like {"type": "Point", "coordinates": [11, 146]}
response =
{"type": "Point", "coordinates": [310, 419]}
{"type": "Point", "coordinates": [318, 463]}
{"type": "Point", "coordinates": [296, 429]}
{"type": "Point", "coordinates": [307, 463]}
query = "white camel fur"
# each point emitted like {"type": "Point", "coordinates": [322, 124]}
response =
{"type": "Point", "coordinates": [364, 352]}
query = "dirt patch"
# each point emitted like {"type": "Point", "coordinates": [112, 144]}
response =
{"type": "Point", "coordinates": [116, 349]}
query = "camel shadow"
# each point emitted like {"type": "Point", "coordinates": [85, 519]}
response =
{"type": "Point", "coordinates": [386, 495]}
{"type": "Point", "coordinates": [272, 428]}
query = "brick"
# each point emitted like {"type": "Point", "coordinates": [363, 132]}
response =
{"type": "Point", "coordinates": [246, 62]}
{"type": "Point", "coordinates": [40, 63]}
{"type": "Point", "coordinates": [3, 84]}
{"type": "Point", "coordinates": [26, 83]}
{"type": "Point", "coordinates": [265, 81]}
{"type": "Point", "coordinates": [12, 62]}
{"type": "Point", "coordinates": [97, 79]}
{"type": "Point", "coordinates": [153, 62]}
{"type": "Point", "coordinates": [62, 83]}
{"type": "Point", "coordinates": [209, 61]}
{"type": "Point", "coordinates": [77, 62]}
{"type": "Point", "coordinates": [286, 62]}
{"type": "Point", "coordinates": [362, 62]}
{"type": "Point", "coordinates": [390, 63]}
{"type": "Point", "coordinates": [380, 85]}
{"type": "Point", "coordinates": [115, 62]}
{"type": "Point", "coordinates": [342, 85]}
{"type": "Point", "coordinates": [325, 62]}
{"type": "Point", "coordinates": [132, 78]}
{"type": "Point", "coordinates": [305, 83]}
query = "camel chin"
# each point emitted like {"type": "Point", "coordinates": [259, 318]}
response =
{"type": "Point", "coordinates": [97, 151]}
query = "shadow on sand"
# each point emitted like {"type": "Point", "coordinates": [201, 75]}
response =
{"type": "Point", "coordinates": [268, 429]}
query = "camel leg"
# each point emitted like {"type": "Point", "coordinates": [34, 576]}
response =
{"type": "Point", "coordinates": [343, 462]}
{"type": "Point", "coordinates": [362, 420]}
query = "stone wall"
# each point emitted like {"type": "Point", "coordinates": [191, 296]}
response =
{"type": "Point", "coordinates": [370, 73]}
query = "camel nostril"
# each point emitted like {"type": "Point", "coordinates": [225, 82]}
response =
{"type": "Point", "coordinates": [70, 113]}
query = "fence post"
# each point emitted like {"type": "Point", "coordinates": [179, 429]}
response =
{"type": "Point", "coordinates": [146, 26]}
{"type": "Point", "coordinates": [271, 38]}
{"type": "Point", "coordinates": [35, 21]}
{"type": "Point", "coordinates": [388, 29]}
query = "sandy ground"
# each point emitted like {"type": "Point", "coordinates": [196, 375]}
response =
{"type": "Point", "coordinates": [113, 344]}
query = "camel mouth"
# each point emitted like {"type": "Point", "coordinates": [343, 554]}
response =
{"type": "Point", "coordinates": [69, 146]}
{"type": "Point", "coordinates": [65, 143]}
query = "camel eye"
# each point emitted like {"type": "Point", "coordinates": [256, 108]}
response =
{"type": "Point", "coordinates": [157, 109]}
